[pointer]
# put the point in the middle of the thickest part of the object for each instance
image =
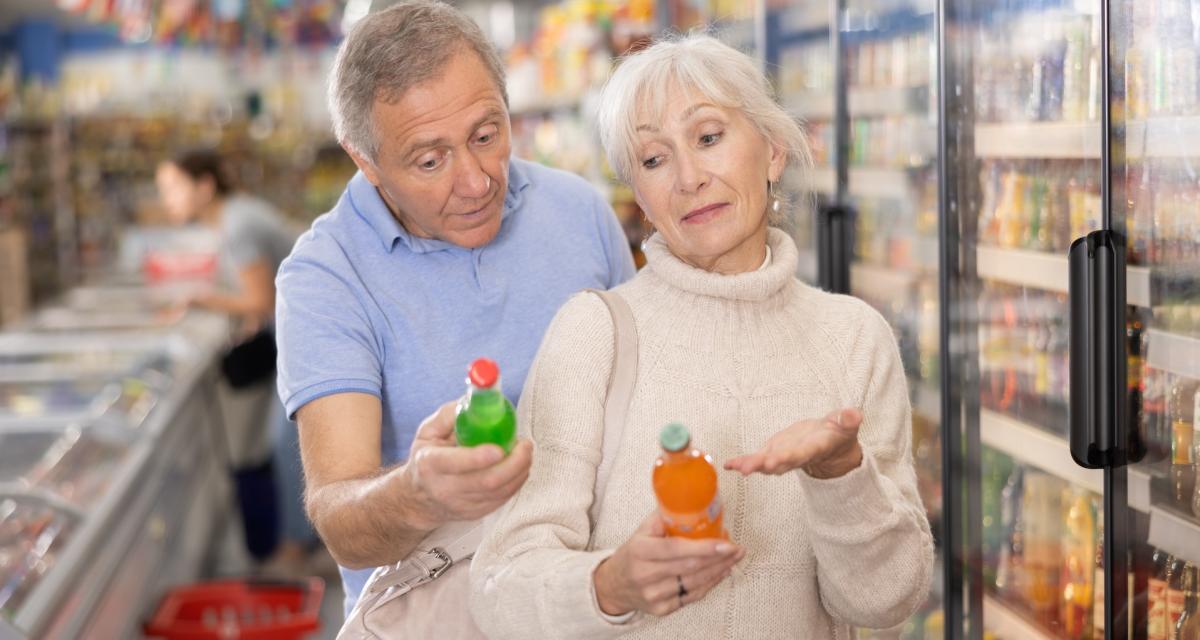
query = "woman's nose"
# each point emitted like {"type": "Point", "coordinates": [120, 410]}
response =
{"type": "Point", "coordinates": [690, 175]}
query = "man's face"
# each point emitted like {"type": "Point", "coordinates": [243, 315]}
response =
{"type": "Point", "coordinates": [442, 164]}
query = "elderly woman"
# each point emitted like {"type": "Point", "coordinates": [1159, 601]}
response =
{"type": "Point", "coordinates": [800, 393]}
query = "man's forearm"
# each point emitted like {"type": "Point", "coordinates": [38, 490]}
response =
{"type": "Point", "coordinates": [369, 522]}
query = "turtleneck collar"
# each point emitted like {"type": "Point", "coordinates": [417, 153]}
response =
{"type": "Point", "coordinates": [751, 286]}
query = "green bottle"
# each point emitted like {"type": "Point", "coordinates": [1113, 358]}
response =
{"type": "Point", "coordinates": [484, 414]}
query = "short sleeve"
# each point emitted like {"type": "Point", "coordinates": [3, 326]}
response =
{"type": "Point", "coordinates": [324, 334]}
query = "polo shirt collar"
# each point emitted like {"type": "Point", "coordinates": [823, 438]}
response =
{"type": "Point", "coordinates": [370, 206]}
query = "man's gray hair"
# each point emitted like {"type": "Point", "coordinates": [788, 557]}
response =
{"type": "Point", "coordinates": [640, 86]}
{"type": "Point", "coordinates": [387, 53]}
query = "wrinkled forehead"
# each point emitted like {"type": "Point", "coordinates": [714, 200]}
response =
{"type": "Point", "coordinates": [665, 97]}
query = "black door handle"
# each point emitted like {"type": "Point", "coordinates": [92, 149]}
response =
{"type": "Point", "coordinates": [1099, 415]}
{"type": "Point", "coordinates": [835, 247]}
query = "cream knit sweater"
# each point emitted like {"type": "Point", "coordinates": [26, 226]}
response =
{"type": "Point", "coordinates": [735, 359]}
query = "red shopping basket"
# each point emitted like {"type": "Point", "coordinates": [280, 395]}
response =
{"type": "Point", "coordinates": [249, 609]}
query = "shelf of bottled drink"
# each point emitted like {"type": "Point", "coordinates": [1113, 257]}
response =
{"type": "Point", "coordinates": [877, 282]}
{"type": "Point", "coordinates": [1036, 447]}
{"type": "Point", "coordinates": [927, 399]}
{"type": "Point", "coordinates": [1178, 354]}
{"type": "Point", "coordinates": [1151, 138]}
{"type": "Point", "coordinates": [801, 18]}
{"type": "Point", "coordinates": [1171, 530]}
{"type": "Point", "coordinates": [1008, 624]}
{"type": "Point", "coordinates": [806, 265]}
{"type": "Point", "coordinates": [862, 102]}
{"type": "Point", "coordinates": [867, 182]}
{"type": "Point", "coordinates": [1175, 534]}
{"type": "Point", "coordinates": [1048, 272]}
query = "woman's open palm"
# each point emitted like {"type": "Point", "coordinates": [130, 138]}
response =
{"type": "Point", "coordinates": [823, 448]}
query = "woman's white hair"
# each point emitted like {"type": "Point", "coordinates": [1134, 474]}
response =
{"type": "Point", "coordinates": [729, 78]}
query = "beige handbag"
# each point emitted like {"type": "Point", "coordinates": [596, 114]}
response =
{"type": "Point", "coordinates": [392, 605]}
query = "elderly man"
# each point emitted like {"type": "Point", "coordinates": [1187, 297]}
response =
{"type": "Point", "coordinates": [443, 248]}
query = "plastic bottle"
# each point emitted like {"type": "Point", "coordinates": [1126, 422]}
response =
{"type": "Point", "coordinates": [484, 415]}
{"type": "Point", "coordinates": [685, 483]}
{"type": "Point", "coordinates": [1078, 553]}
{"type": "Point", "coordinates": [1183, 467]}
{"type": "Point", "coordinates": [1156, 617]}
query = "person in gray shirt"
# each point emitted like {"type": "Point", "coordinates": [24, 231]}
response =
{"type": "Point", "coordinates": [254, 239]}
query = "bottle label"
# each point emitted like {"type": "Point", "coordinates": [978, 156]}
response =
{"type": "Point", "coordinates": [1175, 602]}
{"type": "Point", "coordinates": [1196, 419]}
{"type": "Point", "coordinates": [714, 509]}
{"type": "Point", "coordinates": [1182, 447]}
{"type": "Point", "coordinates": [695, 521]}
{"type": "Point", "coordinates": [1156, 624]}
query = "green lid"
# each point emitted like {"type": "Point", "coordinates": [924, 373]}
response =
{"type": "Point", "coordinates": [674, 437]}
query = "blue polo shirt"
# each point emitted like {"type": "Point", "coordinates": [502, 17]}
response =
{"type": "Point", "coordinates": [363, 306]}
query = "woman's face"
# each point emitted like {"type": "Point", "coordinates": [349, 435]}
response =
{"type": "Point", "coordinates": [182, 196]}
{"type": "Point", "coordinates": [701, 176]}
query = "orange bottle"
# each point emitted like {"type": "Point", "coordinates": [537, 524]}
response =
{"type": "Point", "coordinates": [685, 482]}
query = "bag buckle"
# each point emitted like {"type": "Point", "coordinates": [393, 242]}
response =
{"type": "Point", "coordinates": [447, 562]}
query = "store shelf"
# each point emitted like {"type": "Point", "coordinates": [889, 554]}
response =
{"type": "Point", "coordinates": [809, 105]}
{"type": "Point", "coordinates": [927, 400]}
{"type": "Point", "coordinates": [1175, 534]}
{"type": "Point", "coordinates": [806, 266]}
{"type": "Point", "coordinates": [542, 107]}
{"type": "Point", "coordinates": [1006, 623]}
{"type": "Point", "coordinates": [1138, 490]}
{"type": "Point", "coordinates": [1048, 271]}
{"type": "Point", "coordinates": [864, 102]}
{"type": "Point", "coordinates": [864, 182]}
{"type": "Point", "coordinates": [1052, 140]}
{"type": "Point", "coordinates": [1157, 138]}
{"type": "Point", "coordinates": [1170, 530]}
{"type": "Point", "coordinates": [1172, 352]}
{"type": "Point", "coordinates": [801, 18]}
{"type": "Point", "coordinates": [875, 282]}
{"type": "Point", "coordinates": [1033, 446]}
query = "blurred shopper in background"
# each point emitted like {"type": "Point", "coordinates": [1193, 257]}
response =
{"type": "Point", "coordinates": [197, 187]}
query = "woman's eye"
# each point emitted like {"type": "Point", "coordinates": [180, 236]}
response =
{"type": "Point", "coordinates": [709, 139]}
{"type": "Point", "coordinates": [650, 163]}
{"type": "Point", "coordinates": [484, 139]}
{"type": "Point", "coordinates": [431, 163]}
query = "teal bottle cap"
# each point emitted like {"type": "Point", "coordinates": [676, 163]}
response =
{"type": "Point", "coordinates": [674, 437]}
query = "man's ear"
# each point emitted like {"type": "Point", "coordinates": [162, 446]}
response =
{"type": "Point", "coordinates": [364, 164]}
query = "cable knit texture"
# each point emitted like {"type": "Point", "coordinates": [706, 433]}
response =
{"type": "Point", "coordinates": [736, 359]}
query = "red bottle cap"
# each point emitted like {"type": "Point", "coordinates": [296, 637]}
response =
{"type": "Point", "coordinates": [483, 373]}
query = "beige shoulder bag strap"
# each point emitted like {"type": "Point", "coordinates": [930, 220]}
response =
{"type": "Point", "coordinates": [620, 390]}
{"type": "Point", "coordinates": [382, 609]}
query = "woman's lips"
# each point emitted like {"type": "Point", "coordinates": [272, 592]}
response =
{"type": "Point", "coordinates": [704, 214]}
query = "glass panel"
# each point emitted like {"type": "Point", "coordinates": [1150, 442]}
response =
{"type": "Point", "coordinates": [128, 399]}
{"type": "Point", "coordinates": [804, 71]}
{"type": "Point", "coordinates": [32, 535]}
{"type": "Point", "coordinates": [1162, 189]}
{"type": "Point", "coordinates": [1028, 165]}
{"type": "Point", "coordinates": [75, 465]}
{"type": "Point", "coordinates": [891, 87]}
